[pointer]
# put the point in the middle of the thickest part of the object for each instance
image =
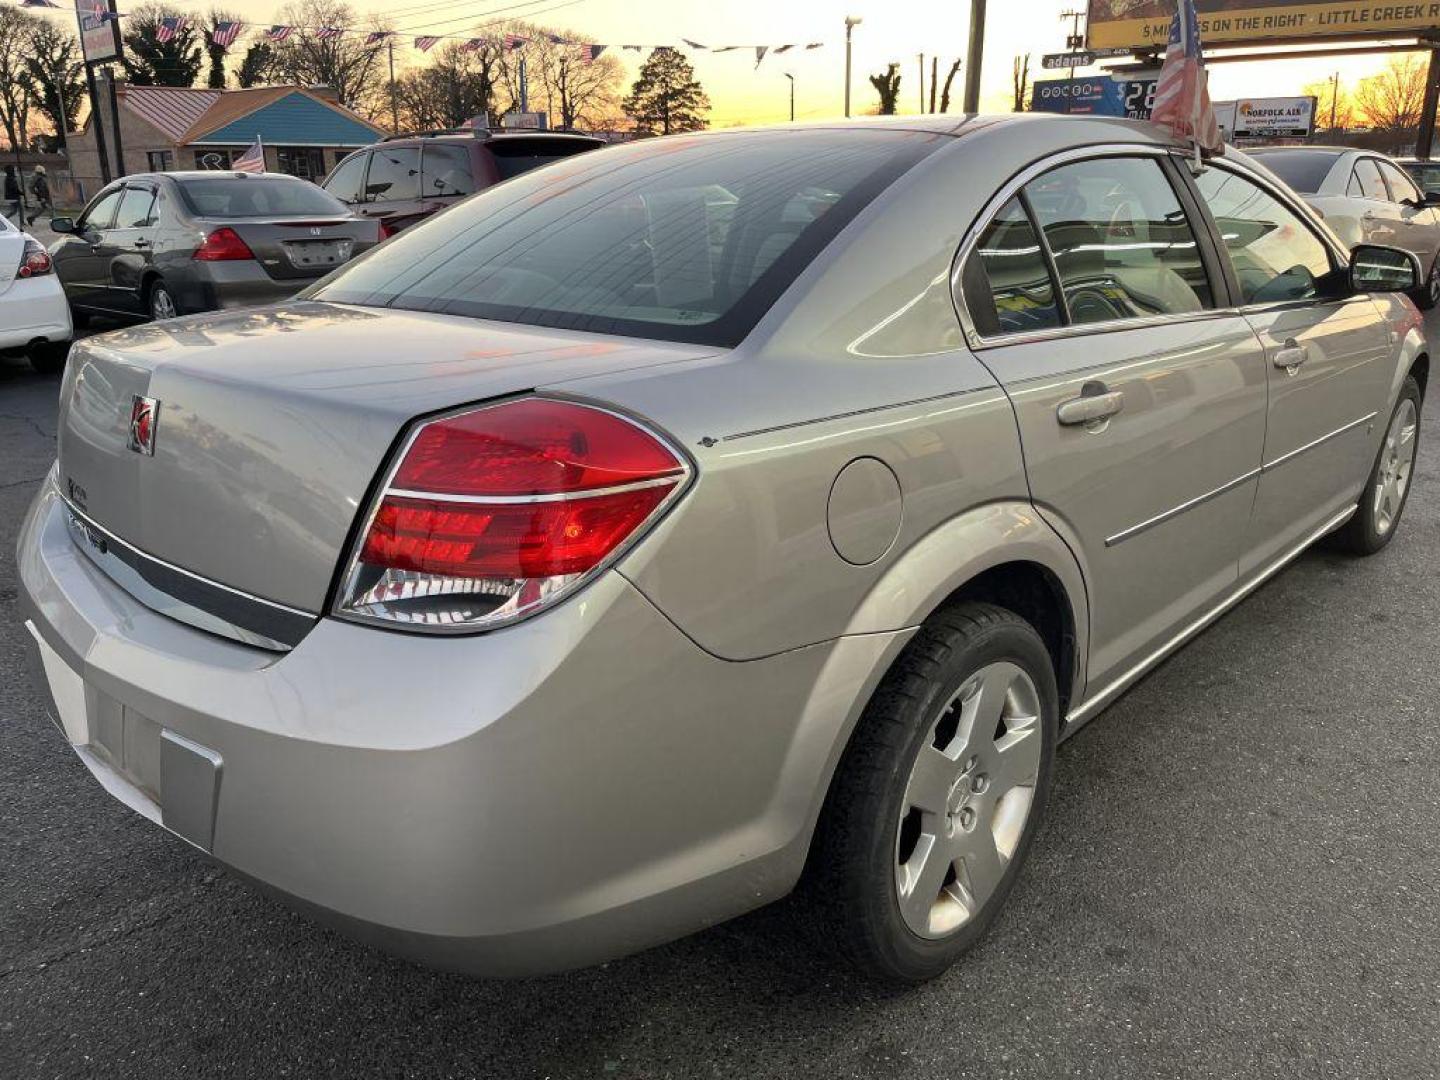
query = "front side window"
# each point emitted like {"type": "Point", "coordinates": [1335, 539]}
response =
{"type": "Point", "coordinates": [1275, 255]}
{"type": "Point", "coordinates": [445, 170]}
{"type": "Point", "coordinates": [1013, 292]}
{"type": "Point", "coordinates": [394, 174]}
{"type": "Point", "coordinates": [101, 213]}
{"type": "Point", "coordinates": [344, 183]}
{"type": "Point", "coordinates": [135, 207]}
{"type": "Point", "coordinates": [685, 238]}
{"type": "Point", "coordinates": [1122, 245]}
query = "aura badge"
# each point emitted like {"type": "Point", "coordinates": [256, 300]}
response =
{"type": "Point", "coordinates": [144, 414]}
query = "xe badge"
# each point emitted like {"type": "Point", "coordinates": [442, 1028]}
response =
{"type": "Point", "coordinates": [144, 412]}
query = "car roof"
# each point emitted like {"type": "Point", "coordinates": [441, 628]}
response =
{"type": "Point", "coordinates": [482, 139]}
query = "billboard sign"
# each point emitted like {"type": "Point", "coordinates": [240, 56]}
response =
{"type": "Point", "coordinates": [1053, 61]}
{"type": "Point", "coordinates": [1269, 118]}
{"type": "Point", "coordinates": [1146, 23]}
{"type": "Point", "coordinates": [1101, 95]}
{"type": "Point", "coordinates": [99, 30]}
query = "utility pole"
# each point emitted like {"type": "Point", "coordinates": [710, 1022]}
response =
{"type": "Point", "coordinates": [851, 21]}
{"type": "Point", "coordinates": [1072, 42]}
{"type": "Point", "coordinates": [1334, 97]}
{"type": "Point", "coordinates": [99, 127]}
{"type": "Point", "coordinates": [394, 101]}
{"type": "Point", "coordinates": [973, 56]}
{"type": "Point", "coordinates": [791, 77]}
{"type": "Point", "coordinates": [922, 82]}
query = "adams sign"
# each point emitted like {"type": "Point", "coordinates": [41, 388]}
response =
{"type": "Point", "coordinates": [1146, 23]}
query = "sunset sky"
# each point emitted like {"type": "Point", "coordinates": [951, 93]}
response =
{"type": "Point", "coordinates": [897, 30]}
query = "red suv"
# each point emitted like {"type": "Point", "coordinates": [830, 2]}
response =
{"type": "Point", "coordinates": [407, 178]}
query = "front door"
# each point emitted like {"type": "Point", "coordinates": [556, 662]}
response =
{"type": "Point", "coordinates": [126, 250]}
{"type": "Point", "coordinates": [1326, 362]}
{"type": "Point", "coordinates": [77, 256]}
{"type": "Point", "coordinates": [1141, 402]}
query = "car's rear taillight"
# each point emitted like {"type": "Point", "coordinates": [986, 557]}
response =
{"type": "Point", "coordinates": [387, 230]}
{"type": "Point", "coordinates": [223, 245]}
{"type": "Point", "coordinates": [34, 260]}
{"type": "Point", "coordinates": [493, 513]}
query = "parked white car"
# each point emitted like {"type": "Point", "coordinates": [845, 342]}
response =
{"type": "Point", "coordinates": [1366, 198]}
{"type": "Point", "coordinates": [33, 313]}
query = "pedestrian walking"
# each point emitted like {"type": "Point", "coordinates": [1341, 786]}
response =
{"type": "Point", "coordinates": [40, 188]}
{"type": "Point", "coordinates": [12, 192]}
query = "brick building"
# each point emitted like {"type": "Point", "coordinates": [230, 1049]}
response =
{"type": "Point", "coordinates": [163, 128]}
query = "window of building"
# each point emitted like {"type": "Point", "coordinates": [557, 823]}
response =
{"type": "Point", "coordinates": [214, 159]}
{"type": "Point", "coordinates": [306, 162]}
{"type": "Point", "coordinates": [160, 160]}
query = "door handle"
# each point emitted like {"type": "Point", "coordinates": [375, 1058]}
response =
{"type": "Point", "coordinates": [1095, 403]}
{"type": "Point", "coordinates": [142, 244]}
{"type": "Point", "coordinates": [1290, 356]}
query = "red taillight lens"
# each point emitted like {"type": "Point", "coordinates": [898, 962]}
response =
{"type": "Point", "coordinates": [223, 245]}
{"type": "Point", "coordinates": [34, 261]}
{"type": "Point", "coordinates": [387, 230]}
{"type": "Point", "coordinates": [493, 513]}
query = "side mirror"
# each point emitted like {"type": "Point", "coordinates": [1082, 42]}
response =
{"type": "Point", "coordinates": [1383, 269]}
{"type": "Point", "coordinates": [62, 225]}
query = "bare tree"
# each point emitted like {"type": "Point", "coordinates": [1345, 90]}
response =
{"type": "Point", "coordinates": [17, 85]}
{"type": "Point", "coordinates": [52, 59]}
{"type": "Point", "coordinates": [1020, 81]}
{"type": "Point", "coordinates": [576, 90]}
{"type": "Point", "coordinates": [887, 85]}
{"type": "Point", "coordinates": [1391, 101]}
{"type": "Point", "coordinates": [945, 95]}
{"type": "Point", "coordinates": [934, 78]}
{"type": "Point", "coordinates": [458, 84]}
{"type": "Point", "coordinates": [349, 64]}
{"type": "Point", "coordinates": [1331, 101]}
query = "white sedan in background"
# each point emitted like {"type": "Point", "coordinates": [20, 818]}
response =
{"type": "Point", "coordinates": [33, 313]}
{"type": "Point", "coordinates": [1367, 198]}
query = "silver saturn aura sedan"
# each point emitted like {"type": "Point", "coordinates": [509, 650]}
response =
{"type": "Point", "coordinates": [703, 517]}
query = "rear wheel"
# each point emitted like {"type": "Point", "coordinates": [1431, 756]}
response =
{"type": "Point", "coordinates": [1377, 516]}
{"type": "Point", "coordinates": [1428, 295]}
{"type": "Point", "coordinates": [938, 796]}
{"type": "Point", "coordinates": [160, 301]}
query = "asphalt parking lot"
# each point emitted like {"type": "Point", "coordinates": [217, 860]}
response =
{"type": "Point", "coordinates": [1239, 877]}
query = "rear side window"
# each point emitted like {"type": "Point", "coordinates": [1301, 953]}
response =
{"type": "Point", "coordinates": [684, 238]}
{"type": "Point", "coordinates": [243, 196]}
{"type": "Point", "coordinates": [394, 174]}
{"type": "Point", "coordinates": [1009, 278]}
{"type": "Point", "coordinates": [344, 183]}
{"type": "Point", "coordinates": [1276, 256]}
{"type": "Point", "coordinates": [445, 170]}
{"type": "Point", "coordinates": [515, 156]}
{"type": "Point", "coordinates": [1367, 179]}
{"type": "Point", "coordinates": [1122, 245]}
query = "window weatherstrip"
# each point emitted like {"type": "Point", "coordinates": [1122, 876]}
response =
{"type": "Point", "coordinates": [1062, 303]}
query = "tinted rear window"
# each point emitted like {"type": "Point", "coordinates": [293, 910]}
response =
{"type": "Point", "coordinates": [687, 238]}
{"type": "Point", "coordinates": [238, 197]}
{"type": "Point", "coordinates": [515, 156]}
{"type": "Point", "coordinates": [1303, 170]}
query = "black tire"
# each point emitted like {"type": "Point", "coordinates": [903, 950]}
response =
{"type": "Point", "coordinates": [48, 357]}
{"type": "Point", "coordinates": [1363, 533]}
{"type": "Point", "coordinates": [156, 294]}
{"type": "Point", "coordinates": [851, 876]}
{"type": "Point", "coordinates": [78, 318]}
{"type": "Point", "coordinates": [1428, 295]}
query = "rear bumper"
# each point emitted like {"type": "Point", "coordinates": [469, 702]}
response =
{"type": "Point", "coordinates": [569, 789]}
{"type": "Point", "coordinates": [219, 286]}
{"type": "Point", "coordinates": [33, 309]}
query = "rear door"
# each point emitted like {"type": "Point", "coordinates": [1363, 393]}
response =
{"type": "Point", "coordinates": [1380, 221]}
{"type": "Point", "coordinates": [1326, 360]}
{"type": "Point", "coordinates": [392, 182]}
{"type": "Point", "coordinates": [126, 249]}
{"type": "Point", "coordinates": [447, 175]}
{"type": "Point", "coordinates": [1140, 398]}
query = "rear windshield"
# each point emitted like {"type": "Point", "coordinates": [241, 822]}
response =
{"type": "Point", "coordinates": [515, 156]}
{"type": "Point", "coordinates": [259, 196]}
{"type": "Point", "coordinates": [686, 238]}
{"type": "Point", "coordinates": [1303, 170]}
{"type": "Point", "coordinates": [1427, 175]}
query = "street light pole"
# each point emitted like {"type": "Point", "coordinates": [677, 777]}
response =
{"type": "Point", "coordinates": [972, 58]}
{"type": "Point", "coordinates": [851, 21]}
{"type": "Point", "coordinates": [791, 77]}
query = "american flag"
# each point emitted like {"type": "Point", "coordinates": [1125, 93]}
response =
{"type": "Point", "coordinates": [377, 36]}
{"type": "Point", "coordinates": [474, 44]}
{"type": "Point", "coordinates": [783, 48]}
{"type": "Point", "coordinates": [252, 161]}
{"type": "Point", "coordinates": [514, 41]}
{"type": "Point", "coordinates": [279, 33]}
{"type": "Point", "coordinates": [1182, 93]}
{"type": "Point", "coordinates": [225, 32]}
{"type": "Point", "coordinates": [38, 3]}
{"type": "Point", "coordinates": [425, 44]}
{"type": "Point", "coordinates": [329, 33]}
{"type": "Point", "coordinates": [591, 53]}
{"type": "Point", "coordinates": [170, 27]}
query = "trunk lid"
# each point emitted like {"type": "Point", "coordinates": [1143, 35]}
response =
{"type": "Point", "coordinates": [271, 424]}
{"type": "Point", "coordinates": [12, 249]}
{"type": "Point", "coordinates": [302, 247]}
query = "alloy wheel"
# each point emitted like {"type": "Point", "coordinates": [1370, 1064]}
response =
{"type": "Point", "coordinates": [968, 798]}
{"type": "Point", "coordinates": [162, 306]}
{"type": "Point", "coordinates": [1397, 459]}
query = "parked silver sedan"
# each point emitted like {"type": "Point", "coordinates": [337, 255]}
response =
{"type": "Point", "coordinates": [159, 245]}
{"type": "Point", "coordinates": [576, 570]}
{"type": "Point", "coordinates": [1365, 198]}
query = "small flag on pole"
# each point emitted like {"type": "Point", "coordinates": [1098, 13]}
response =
{"type": "Point", "coordinates": [1182, 92]}
{"type": "Point", "coordinates": [225, 32]}
{"type": "Point", "coordinates": [591, 53]}
{"type": "Point", "coordinates": [377, 36]}
{"type": "Point", "coordinates": [252, 161]}
{"type": "Point", "coordinates": [427, 42]}
{"type": "Point", "coordinates": [692, 44]}
{"type": "Point", "coordinates": [279, 33]}
{"type": "Point", "coordinates": [514, 41]}
{"type": "Point", "coordinates": [170, 27]}
{"type": "Point", "coordinates": [760, 51]}
{"type": "Point", "coordinates": [329, 33]}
